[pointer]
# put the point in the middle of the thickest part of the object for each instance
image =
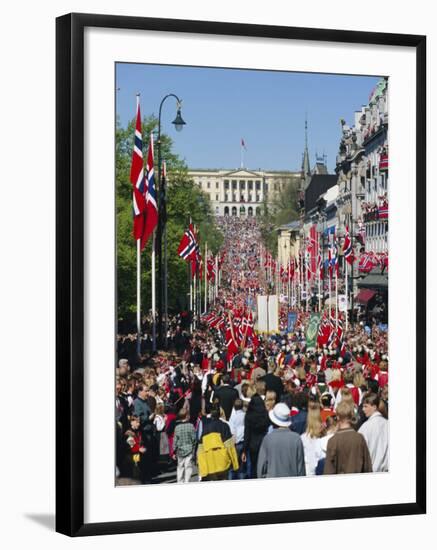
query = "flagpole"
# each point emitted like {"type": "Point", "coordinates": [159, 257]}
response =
{"type": "Point", "coordinates": [346, 292]}
{"type": "Point", "coordinates": [336, 298]}
{"type": "Point", "coordinates": [190, 270]}
{"type": "Point", "coordinates": [206, 276]}
{"type": "Point", "coordinates": [138, 297]}
{"type": "Point", "coordinates": [216, 278]}
{"type": "Point", "coordinates": [306, 281]}
{"type": "Point", "coordinates": [153, 293]}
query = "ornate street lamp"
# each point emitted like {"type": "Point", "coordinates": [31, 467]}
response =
{"type": "Point", "coordinates": [179, 123]}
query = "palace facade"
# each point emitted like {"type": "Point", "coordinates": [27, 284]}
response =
{"type": "Point", "coordinates": [241, 192]}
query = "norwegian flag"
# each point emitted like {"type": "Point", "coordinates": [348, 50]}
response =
{"type": "Point", "coordinates": [324, 331]}
{"type": "Point", "coordinates": [188, 247]}
{"type": "Point", "coordinates": [290, 269]}
{"type": "Point", "coordinates": [333, 257]}
{"type": "Point", "coordinates": [348, 251]}
{"type": "Point", "coordinates": [231, 343]}
{"type": "Point", "coordinates": [368, 260]}
{"type": "Point", "coordinates": [210, 267]}
{"type": "Point", "coordinates": [332, 334]}
{"type": "Point", "coordinates": [320, 264]}
{"type": "Point", "coordinates": [151, 216]}
{"type": "Point", "coordinates": [196, 260]}
{"type": "Point", "coordinates": [137, 179]}
{"type": "Point", "coordinates": [361, 233]}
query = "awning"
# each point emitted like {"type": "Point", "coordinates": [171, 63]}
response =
{"type": "Point", "coordinates": [365, 295]}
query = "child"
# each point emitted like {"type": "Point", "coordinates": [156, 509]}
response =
{"type": "Point", "coordinates": [136, 447]}
{"type": "Point", "coordinates": [184, 445]}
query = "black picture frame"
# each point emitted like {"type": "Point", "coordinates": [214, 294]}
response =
{"type": "Point", "coordinates": [70, 272]}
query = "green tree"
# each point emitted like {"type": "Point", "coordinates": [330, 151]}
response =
{"type": "Point", "coordinates": [281, 209]}
{"type": "Point", "coordinates": [184, 201]}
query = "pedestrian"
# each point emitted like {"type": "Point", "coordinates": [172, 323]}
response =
{"type": "Point", "coordinates": [375, 432]}
{"type": "Point", "coordinates": [184, 445]}
{"type": "Point", "coordinates": [347, 451]}
{"type": "Point", "coordinates": [311, 438]}
{"type": "Point", "coordinates": [281, 453]}
{"type": "Point", "coordinates": [256, 424]}
{"type": "Point", "coordinates": [216, 453]}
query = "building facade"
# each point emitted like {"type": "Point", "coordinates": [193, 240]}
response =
{"type": "Point", "coordinates": [242, 192]}
{"type": "Point", "coordinates": [362, 167]}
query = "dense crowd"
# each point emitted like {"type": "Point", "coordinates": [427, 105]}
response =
{"type": "Point", "coordinates": [271, 408]}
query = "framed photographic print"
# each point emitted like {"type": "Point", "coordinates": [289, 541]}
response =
{"type": "Point", "coordinates": [240, 274]}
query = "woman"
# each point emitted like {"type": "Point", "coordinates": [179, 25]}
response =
{"type": "Point", "coordinates": [256, 424]}
{"type": "Point", "coordinates": [311, 439]}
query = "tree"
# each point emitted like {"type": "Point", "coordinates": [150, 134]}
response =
{"type": "Point", "coordinates": [184, 200]}
{"type": "Point", "coordinates": [281, 208]}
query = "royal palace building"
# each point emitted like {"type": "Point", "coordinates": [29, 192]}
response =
{"type": "Point", "coordinates": [241, 192]}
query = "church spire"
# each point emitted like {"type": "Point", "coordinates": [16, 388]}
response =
{"type": "Point", "coordinates": [306, 171]}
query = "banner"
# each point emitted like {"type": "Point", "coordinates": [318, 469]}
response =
{"type": "Point", "coordinates": [342, 304]}
{"type": "Point", "coordinates": [292, 318]}
{"type": "Point", "coordinates": [268, 320]}
{"type": "Point", "coordinates": [312, 330]}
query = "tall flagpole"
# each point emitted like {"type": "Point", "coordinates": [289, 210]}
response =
{"type": "Point", "coordinates": [138, 297]}
{"type": "Point", "coordinates": [336, 298]}
{"type": "Point", "coordinates": [206, 277]}
{"type": "Point", "coordinates": [191, 296]}
{"type": "Point", "coordinates": [153, 293]}
{"type": "Point", "coordinates": [346, 291]}
{"type": "Point", "coordinates": [216, 277]}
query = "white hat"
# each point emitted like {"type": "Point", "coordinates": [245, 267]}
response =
{"type": "Point", "coordinates": [280, 415]}
{"type": "Point", "coordinates": [244, 361]}
{"type": "Point", "coordinates": [246, 354]}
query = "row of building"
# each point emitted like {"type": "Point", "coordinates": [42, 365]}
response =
{"type": "Point", "coordinates": [355, 196]}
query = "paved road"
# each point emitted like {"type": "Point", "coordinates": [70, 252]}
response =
{"type": "Point", "coordinates": [167, 475]}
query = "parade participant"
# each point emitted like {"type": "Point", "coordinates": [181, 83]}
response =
{"type": "Point", "coordinates": [281, 453]}
{"type": "Point", "coordinates": [184, 445]}
{"type": "Point", "coordinates": [375, 432]}
{"type": "Point", "coordinates": [311, 438]}
{"type": "Point", "coordinates": [347, 451]}
{"type": "Point", "coordinates": [236, 425]}
{"type": "Point", "coordinates": [256, 424]}
{"type": "Point", "coordinates": [216, 453]}
{"type": "Point", "coordinates": [226, 395]}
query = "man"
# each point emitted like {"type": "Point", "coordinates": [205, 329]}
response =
{"type": "Point", "coordinates": [226, 395]}
{"type": "Point", "coordinates": [143, 412]}
{"type": "Point", "coordinates": [236, 424]}
{"type": "Point", "coordinates": [375, 432]}
{"type": "Point", "coordinates": [281, 453]}
{"type": "Point", "coordinates": [347, 451]}
{"type": "Point", "coordinates": [273, 382]}
{"type": "Point", "coordinates": [216, 453]}
{"type": "Point", "coordinates": [141, 406]}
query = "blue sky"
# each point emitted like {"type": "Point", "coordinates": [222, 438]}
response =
{"type": "Point", "coordinates": [265, 108]}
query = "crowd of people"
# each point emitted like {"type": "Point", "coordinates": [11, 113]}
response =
{"type": "Point", "coordinates": [269, 407]}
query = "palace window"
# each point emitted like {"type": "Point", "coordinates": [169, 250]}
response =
{"type": "Point", "coordinates": [242, 184]}
{"type": "Point", "coordinates": [258, 185]}
{"type": "Point", "coordinates": [226, 184]}
{"type": "Point", "coordinates": [250, 185]}
{"type": "Point", "coordinates": [234, 184]}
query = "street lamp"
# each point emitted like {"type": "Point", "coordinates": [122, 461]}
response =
{"type": "Point", "coordinates": [161, 230]}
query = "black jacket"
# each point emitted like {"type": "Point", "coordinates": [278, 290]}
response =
{"type": "Point", "coordinates": [226, 396]}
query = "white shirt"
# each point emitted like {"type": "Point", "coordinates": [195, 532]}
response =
{"type": "Point", "coordinates": [312, 447]}
{"type": "Point", "coordinates": [375, 432]}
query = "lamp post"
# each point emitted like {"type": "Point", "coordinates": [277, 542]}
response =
{"type": "Point", "coordinates": [161, 230]}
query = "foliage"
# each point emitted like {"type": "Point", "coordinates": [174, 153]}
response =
{"type": "Point", "coordinates": [184, 201]}
{"type": "Point", "coordinates": [281, 209]}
